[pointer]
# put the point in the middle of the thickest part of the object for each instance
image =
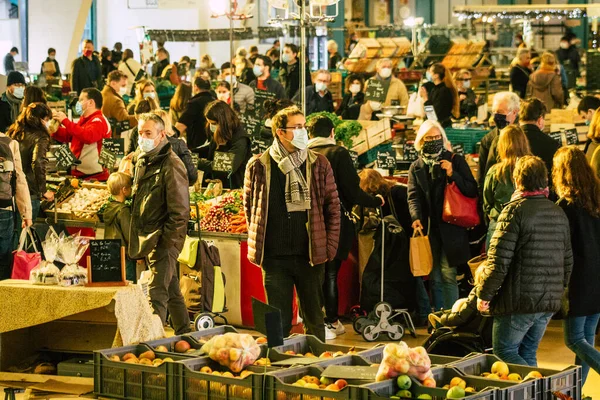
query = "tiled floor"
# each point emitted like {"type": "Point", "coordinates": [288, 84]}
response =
{"type": "Point", "coordinates": [552, 352]}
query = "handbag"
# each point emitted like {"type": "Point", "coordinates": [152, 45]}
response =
{"type": "Point", "coordinates": [421, 258]}
{"type": "Point", "coordinates": [475, 262]}
{"type": "Point", "coordinates": [459, 209]}
{"type": "Point", "coordinates": [24, 262]}
{"type": "Point", "coordinates": [189, 252]}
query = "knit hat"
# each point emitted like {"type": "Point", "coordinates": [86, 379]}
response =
{"type": "Point", "coordinates": [15, 77]}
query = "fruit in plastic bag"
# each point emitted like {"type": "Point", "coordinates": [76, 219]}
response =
{"type": "Point", "coordinates": [233, 350]}
{"type": "Point", "coordinates": [399, 359]}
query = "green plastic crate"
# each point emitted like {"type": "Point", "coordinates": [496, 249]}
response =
{"type": "Point", "coordinates": [371, 154]}
{"type": "Point", "coordinates": [122, 380]}
{"type": "Point", "coordinates": [385, 389]}
{"type": "Point", "coordinates": [467, 137]}
{"type": "Point", "coordinates": [169, 343]}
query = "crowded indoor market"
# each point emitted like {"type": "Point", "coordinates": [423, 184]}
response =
{"type": "Point", "coordinates": [436, 169]}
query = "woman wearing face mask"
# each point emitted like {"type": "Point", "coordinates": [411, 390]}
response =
{"type": "Point", "coordinates": [466, 95]}
{"type": "Point", "coordinates": [179, 102]}
{"type": "Point", "coordinates": [427, 179]}
{"type": "Point", "coordinates": [131, 68]}
{"type": "Point", "coordinates": [31, 131]}
{"type": "Point", "coordinates": [206, 62]}
{"type": "Point", "coordinates": [546, 84]}
{"type": "Point", "coordinates": [353, 99]}
{"type": "Point", "coordinates": [223, 92]}
{"type": "Point", "coordinates": [443, 96]}
{"type": "Point", "coordinates": [144, 90]}
{"type": "Point", "coordinates": [228, 136]}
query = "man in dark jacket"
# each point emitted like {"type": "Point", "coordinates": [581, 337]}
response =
{"type": "Point", "coordinates": [10, 103]}
{"type": "Point", "coordinates": [528, 266]}
{"type": "Point", "coordinates": [321, 132]}
{"type": "Point", "coordinates": [163, 62]}
{"type": "Point", "coordinates": [318, 98]}
{"type": "Point", "coordinates": [519, 74]}
{"type": "Point", "coordinates": [9, 60]}
{"type": "Point", "coordinates": [289, 72]}
{"type": "Point", "coordinates": [264, 85]}
{"type": "Point", "coordinates": [192, 123]}
{"type": "Point", "coordinates": [46, 69]}
{"type": "Point", "coordinates": [86, 70]}
{"type": "Point", "coordinates": [159, 218]}
{"type": "Point", "coordinates": [293, 214]}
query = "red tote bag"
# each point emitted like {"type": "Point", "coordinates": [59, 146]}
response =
{"type": "Point", "coordinates": [459, 209]}
{"type": "Point", "coordinates": [24, 262]}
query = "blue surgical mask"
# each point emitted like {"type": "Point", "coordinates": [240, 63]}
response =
{"type": "Point", "coordinates": [428, 76]}
{"type": "Point", "coordinates": [19, 92]}
{"type": "Point", "coordinates": [147, 145]}
{"type": "Point", "coordinates": [300, 140]}
{"type": "Point", "coordinates": [79, 108]}
{"type": "Point", "coordinates": [258, 70]}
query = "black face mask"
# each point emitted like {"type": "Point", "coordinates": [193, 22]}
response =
{"type": "Point", "coordinates": [433, 147]}
{"type": "Point", "coordinates": [500, 121]}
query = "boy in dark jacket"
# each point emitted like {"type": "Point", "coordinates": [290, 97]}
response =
{"type": "Point", "coordinates": [117, 215]}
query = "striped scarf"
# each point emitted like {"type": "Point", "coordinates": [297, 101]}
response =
{"type": "Point", "coordinates": [297, 196]}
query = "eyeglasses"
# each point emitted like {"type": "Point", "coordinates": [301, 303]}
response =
{"type": "Point", "coordinates": [432, 138]}
{"type": "Point", "coordinates": [295, 127]}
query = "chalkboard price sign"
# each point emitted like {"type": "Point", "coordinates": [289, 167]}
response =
{"type": "Point", "coordinates": [572, 136]}
{"type": "Point", "coordinates": [386, 160]}
{"type": "Point", "coordinates": [106, 263]}
{"type": "Point", "coordinates": [459, 149]}
{"type": "Point", "coordinates": [65, 158]}
{"type": "Point", "coordinates": [259, 146]}
{"type": "Point", "coordinates": [410, 153]}
{"type": "Point", "coordinates": [107, 158]}
{"type": "Point", "coordinates": [260, 96]}
{"type": "Point", "coordinates": [556, 136]}
{"type": "Point", "coordinates": [115, 146]}
{"type": "Point", "coordinates": [354, 157]}
{"type": "Point", "coordinates": [376, 90]}
{"type": "Point", "coordinates": [223, 162]}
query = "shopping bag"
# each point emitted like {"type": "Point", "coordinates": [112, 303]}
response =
{"type": "Point", "coordinates": [421, 259]}
{"type": "Point", "coordinates": [416, 106]}
{"type": "Point", "coordinates": [475, 262]}
{"type": "Point", "coordinates": [24, 262]}
{"type": "Point", "coordinates": [459, 209]}
{"type": "Point", "coordinates": [189, 253]}
{"type": "Point", "coordinates": [191, 290]}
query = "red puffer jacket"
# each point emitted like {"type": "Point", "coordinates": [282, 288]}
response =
{"type": "Point", "coordinates": [323, 217]}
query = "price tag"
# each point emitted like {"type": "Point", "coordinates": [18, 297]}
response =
{"type": "Point", "coordinates": [354, 157]}
{"type": "Point", "coordinates": [249, 120]}
{"type": "Point", "coordinates": [556, 136]}
{"type": "Point", "coordinates": [459, 149]}
{"type": "Point", "coordinates": [65, 158]}
{"type": "Point", "coordinates": [376, 90]}
{"type": "Point", "coordinates": [410, 153]}
{"type": "Point", "coordinates": [223, 162]}
{"type": "Point", "coordinates": [386, 160]}
{"type": "Point", "coordinates": [260, 96]}
{"type": "Point", "coordinates": [572, 136]}
{"type": "Point", "coordinates": [115, 146]}
{"type": "Point", "coordinates": [107, 158]}
{"type": "Point", "coordinates": [259, 146]}
{"type": "Point", "coordinates": [106, 264]}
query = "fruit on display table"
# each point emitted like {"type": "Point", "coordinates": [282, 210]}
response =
{"type": "Point", "coordinates": [85, 203]}
{"type": "Point", "coordinates": [146, 358]}
{"type": "Point", "coordinates": [233, 350]}
{"type": "Point", "coordinates": [325, 354]}
{"type": "Point", "coordinates": [399, 359]}
{"type": "Point", "coordinates": [457, 388]}
{"type": "Point", "coordinates": [313, 382]}
{"type": "Point", "coordinates": [227, 215]}
{"type": "Point", "coordinates": [501, 371]}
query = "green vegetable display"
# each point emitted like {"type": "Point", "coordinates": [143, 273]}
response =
{"type": "Point", "coordinates": [345, 130]}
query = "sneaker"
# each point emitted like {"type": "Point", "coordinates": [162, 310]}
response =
{"type": "Point", "coordinates": [339, 328]}
{"type": "Point", "coordinates": [330, 332]}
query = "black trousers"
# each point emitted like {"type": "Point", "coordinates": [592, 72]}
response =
{"type": "Point", "coordinates": [330, 290]}
{"type": "Point", "coordinates": [280, 276]}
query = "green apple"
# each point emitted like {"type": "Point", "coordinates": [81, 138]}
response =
{"type": "Point", "coordinates": [404, 382]}
{"type": "Point", "coordinates": [326, 381]}
{"type": "Point", "coordinates": [455, 392]}
{"type": "Point", "coordinates": [404, 394]}
{"type": "Point", "coordinates": [424, 396]}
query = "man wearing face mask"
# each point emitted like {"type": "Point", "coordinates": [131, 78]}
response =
{"type": "Point", "coordinates": [289, 72]}
{"type": "Point", "coordinates": [318, 98]}
{"type": "Point", "coordinates": [243, 95]}
{"type": "Point", "coordinates": [505, 110]}
{"type": "Point", "coordinates": [10, 103]}
{"type": "Point", "coordinates": [113, 106]}
{"type": "Point", "coordinates": [293, 213]}
{"type": "Point", "coordinates": [397, 95]}
{"type": "Point", "coordinates": [86, 71]}
{"type": "Point", "coordinates": [46, 69]}
{"type": "Point", "coordinates": [531, 119]}
{"type": "Point", "coordinates": [264, 81]}
{"type": "Point", "coordinates": [162, 62]}
{"type": "Point", "coordinates": [159, 216]}
{"type": "Point", "coordinates": [85, 136]}
{"type": "Point", "coordinates": [568, 56]}
{"type": "Point", "coordinates": [469, 101]}
{"type": "Point", "coordinates": [519, 73]}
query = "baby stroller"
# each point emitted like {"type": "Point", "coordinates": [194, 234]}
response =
{"type": "Point", "coordinates": [386, 290]}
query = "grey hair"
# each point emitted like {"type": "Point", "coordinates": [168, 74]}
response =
{"type": "Point", "coordinates": [523, 51]}
{"type": "Point", "coordinates": [381, 61]}
{"type": "Point", "coordinates": [512, 100]}
{"type": "Point", "coordinates": [322, 71]}
{"type": "Point", "coordinates": [160, 123]}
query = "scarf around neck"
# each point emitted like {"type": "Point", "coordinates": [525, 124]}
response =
{"type": "Point", "coordinates": [518, 194]}
{"type": "Point", "coordinates": [297, 196]}
{"type": "Point", "coordinates": [15, 105]}
{"type": "Point", "coordinates": [431, 160]}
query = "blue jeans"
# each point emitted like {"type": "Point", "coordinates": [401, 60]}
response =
{"type": "Point", "coordinates": [444, 288]}
{"type": "Point", "coordinates": [7, 226]}
{"type": "Point", "coordinates": [580, 333]}
{"type": "Point", "coordinates": [517, 337]}
{"type": "Point", "coordinates": [423, 302]}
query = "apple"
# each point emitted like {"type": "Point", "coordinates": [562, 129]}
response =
{"type": "Point", "coordinates": [534, 375]}
{"type": "Point", "coordinates": [455, 392]}
{"type": "Point", "coordinates": [311, 386]}
{"type": "Point", "coordinates": [470, 390]}
{"type": "Point", "coordinates": [333, 387]}
{"type": "Point", "coordinates": [114, 358]}
{"type": "Point", "coordinates": [290, 352]}
{"type": "Point", "coordinates": [500, 368]}
{"type": "Point", "coordinates": [338, 354]}
{"type": "Point", "coordinates": [182, 346]}
{"type": "Point", "coordinates": [325, 381]}
{"type": "Point", "coordinates": [261, 340]}
{"type": "Point", "coordinates": [493, 376]}
{"type": "Point", "coordinates": [404, 394]}
{"type": "Point", "coordinates": [341, 383]}
{"type": "Point", "coordinates": [311, 379]}
{"type": "Point", "coordinates": [326, 354]}
{"type": "Point", "coordinates": [168, 359]}
{"type": "Point", "coordinates": [162, 348]}
{"type": "Point", "coordinates": [300, 382]}
{"type": "Point", "coordinates": [404, 382]}
{"type": "Point", "coordinates": [309, 355]}
{"type": "Point", "coordinates": [244, 374]}
{"type": "Point", "coordinates": [424, 396]}
{"type": "Point", "coordinates": [128, 356]}
{"type": "Point", "coordinates": [157, 362]}
{"type": "Point", "coordinates": [429, 382]}
{"type": "Point", "coordinates": [458, 382]}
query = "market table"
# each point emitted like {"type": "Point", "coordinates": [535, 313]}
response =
{"type": "Point", "coordinates": [71, 319]}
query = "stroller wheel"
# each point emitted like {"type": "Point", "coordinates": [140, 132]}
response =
{"type": "Point", "coordinates": [381, 308]}
{"type": "Point", "coordinates": [204, 321]}
{"type": "Point", "coordinates": [357, 312]}
{"type": "Point", "coordinates": [368, 333]}
{"type": "Point", "coordinates": [360, 323]}
{"type": "Point", "coordinates": [396, 331]}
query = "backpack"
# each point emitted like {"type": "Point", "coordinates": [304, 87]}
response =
{"type": "Point", "coordinates": [8, 178]}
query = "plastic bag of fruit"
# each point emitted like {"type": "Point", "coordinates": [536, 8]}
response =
{"type": "Point", "coordinates": [47, 273]}
{"type": "Point", "coordinates": [71, 250]}
{"type": "Point", "coordinates": [235, 351]}
{"type": "Point", "coordinates": [399, 359]}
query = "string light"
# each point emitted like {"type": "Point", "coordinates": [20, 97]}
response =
{"type": "Point", "coordinates": [575, 13]}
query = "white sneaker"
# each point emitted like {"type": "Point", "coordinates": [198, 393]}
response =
{"type": "Point", "coordinates": [330, 332]}
{"type": "Point", "coordinates": [339, 328]}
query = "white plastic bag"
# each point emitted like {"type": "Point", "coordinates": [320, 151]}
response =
{"type": "Point", "coordinates": [72, 249]}
{"type": "Point", "coordinates": [416, 106]}
{"type": "Point", "coordinates": [47, 273]}
{"type": "Point", "coordinates": [399, 359]}
{"type": "Point", "coordinates": [235, 351]}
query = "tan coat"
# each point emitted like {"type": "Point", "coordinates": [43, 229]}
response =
{"type": "Point", "coordinates": [113, 106]}
{"type": "Point", "coordinates": [397, 91]}
{"type": "Point", "coordinates": [546, 86]}
{"type": "Point", "coordinates": [23, 197]}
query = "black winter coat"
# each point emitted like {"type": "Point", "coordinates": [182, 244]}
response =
{"type": "Point", "coordinates": [585, 278]}
{"type": "Point", "coordinates": [350, 106]}
{"type": "Point", "coordinates": [426, 201]}
{"type": "Point", "coordinates": [289, 77]}
{"type": "Point", "coordinates": [541, 144]}
{"type": "Point", "coordinates": [442, 100]}
{"type": "Point", "coordinates": [86, 73]}
{"type": "Point", "coordinates": [349, 191]}
{"type": "Point", "coordinates": [530, 259]}
{"type": "Point", "coordinates": [180, 148]}
{"type": "Point", "coordinates": [314, 101]}
{"type": "Point", "coordinates": [485, 148]}
{"type": "Point", "coordinates": [33, 149]}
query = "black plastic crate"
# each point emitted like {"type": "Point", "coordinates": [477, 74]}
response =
{"type": "Point", "coordinates": [170, 342]}
{"type": "Point", "coordinates": [567, 381]}
{"type": "Point", "coordinates": [205, 335]}
{"type": "Point", "coordinates": [303, 344]}
{"type": "Point", "coordinates": [280, 386]}
{"type": "Point", "coordinates": [375, 356]}
{"type": "Point", "coordinates": [386, 389]}
{"type": "Point", "coordinates": [195, 385]}
{"type": "Point", "coordinates": [122, 380]}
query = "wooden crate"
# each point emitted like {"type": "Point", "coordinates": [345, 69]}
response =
{"type": "Point", "coordinates": [360, 143]}
{"type": "Point", "coordinates": [366, 47]}
{"type": "Point", "coordinates": [377, 132]}
{"type": "Point", "coordinates": [388, 48]}
{"type": "Point", "coordinates": [403, 46]}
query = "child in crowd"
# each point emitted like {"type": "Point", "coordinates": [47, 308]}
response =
{"type": "Point", "coordinates": [117, 215]}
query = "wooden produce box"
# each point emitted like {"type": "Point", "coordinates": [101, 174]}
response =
{"type": "Point", "coordinates": [403, 46]}
{"type": "Point", "coordinates": [377, 132]}
{"type": "Point", "coordinates": [366, 47]}
{"type": "Point", "coordinates": [359, 143]}
{"type": "Point", "coordinates": [388, 48]}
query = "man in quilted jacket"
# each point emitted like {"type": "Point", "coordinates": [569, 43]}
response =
{"type": "Point", "coordinates": [293, 214]}
{"type": "Point", "coordinates": [528, 266]}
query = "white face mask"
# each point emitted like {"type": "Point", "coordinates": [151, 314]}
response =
{"type": "Point", "coordinates": [466, 84]}
{"type": "Point", "coordinates": [231, 79]}
{"type": "Point", "coordinates": [51, 58]}
{"type": "Point", "coordinates": [149, 95]}
{"type": "Point", "coordinates": [19, 92]}
{"type": "Point", "coordinates": [223, 96]}
{"type": "Point", "coordinates": [321, 87]}
{"type": "Point", "coordinates": [300, 140]}
{"type": "Point", "coordinates": [375, 105]}
{"type": "Point", "coordinates": [385, 73]}
{"type": "Point", "coordinates": [123, 91]}
{"type": "Point", "coordinates": [355, 88]}
{"type": "Point", "coordinates": [564, 45]}
{"type": "Point", "coordinates": [147, 145]}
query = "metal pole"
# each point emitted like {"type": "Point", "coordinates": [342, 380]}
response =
{"type": "Point", "coordinates": [303, 55]}
{"type": "Point", "coordinates": [231, 50]}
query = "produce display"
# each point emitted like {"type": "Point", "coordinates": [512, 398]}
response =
{"type": "Point", "coordinates": [227, 215]}
{"type": "Point", "coordinates": [85, 203]}
{"type": "Point", "coordinates": [146, 358]}
{"type": "Point", "coordinates": [501, 371]}
{"type": "Point", "coordinates": [233, 350]}
{"type": "Point", "coordinates": [399, 359]}
{"type": "Point", "coordinates": [313, 382]}
{"type": "Point", "coordinates": [181, 347]}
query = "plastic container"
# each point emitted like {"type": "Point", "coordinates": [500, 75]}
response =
{"type": "Point", "coordinates": [468, 137]}
{"type": "Point", "coordinates": [195, 385]}
{"type": "Point", "coordinates": [303, 344]}
{"type": "Point", "coordinates": [205, 334]}
{"type": "Point", "coordinates": [375, 356]}
{"type": "Point", "coordinates": [170, 342]}
{"type": "Point", "coordinates": [567, 381]}
{"type": "Point", "coordinates": [386, 389]}
{"type": "Point", "coordinates": [280, 386]}
{"type": "Point", "coordinates": [117, 379]}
